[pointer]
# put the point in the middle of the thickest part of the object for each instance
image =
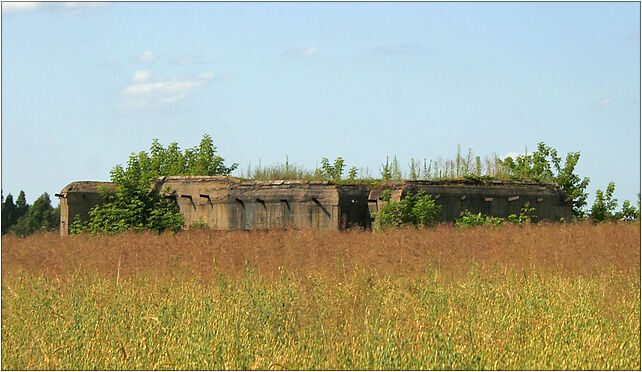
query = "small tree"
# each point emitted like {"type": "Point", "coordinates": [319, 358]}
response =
{"type": "Point", "coordinates": [331, 172]}
{"type": "Point", "coordinates": [21, 205]}
{"type": "Point", "coordinates": [41, 216]}
{"type": "Point", "coordinates": [136, 204]}
{"type": "Point", "coordinates": [603, 209]}
{"type": "Point", "coordinates": [628, 213]}
{"type": "Point", "coordinates": [604, 205]}
{"type": "Point", "coordinates": [537, 167]}
{"type": "Point", "coordinates": [352, 174]}
{"type": "Point", "coordinates": [386, 170]}
{"type": "Point", "coordinates": [9, 215]}
{"type": "Point", "coordinates": [418, 210]}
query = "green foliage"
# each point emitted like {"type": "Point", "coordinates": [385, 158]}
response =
{"type": "Point", "coordinates": [199, 225]}
{"type": "Point", "coordinates": [415, 170]}
{"type": "Point", "coordinates": [280, 171]}
{"type": "Point", "coordinates": [537, 167]}
{"type": "Point", "coordinates": [414, 210]}
{"type": "Point", "coordinates": [526, 215]}
{"type": "Point", "coordinates": [386, 170]}
{"type": "Point", "coordinates": [171, 161]}
{"type": "Point", "coordinates": [331, 172]}
{"type": "Point", "coordinates": [628, 213]}
{"type": "Point", "coordinates": [136, 204]}
{"type": "Point", "coordinates": [391, 171]}
{"type": "Point", "coordinates": [467, 219]}
{"type": "Point", "coordinates": [9, 214]}
{"type": "Point", "coordinates": [40, 216]}
{"type": "Point", "coordinates": [603, 209]}
{"type": "Point", "coordinates": [604, 206]}
{"type": "Point", "coordinates": [23, 219]}
{"type": "Point", "coordinates": [352, 174]}
{"type": "Point", "coordinates": [21, 205]}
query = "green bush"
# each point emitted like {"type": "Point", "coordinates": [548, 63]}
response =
{"type": "Point", "coordinates": [414, 210]}
{"type": "Point", "coordinates": [331, 172]}
{"type": "Point", "coordinates": [467, 219]}
{"type": "Point", "coordinates": [137, 204]}
{"type": "Point", "coordinates": [603, 209]}
{"type": "Point", "coordinates": [537, 167]}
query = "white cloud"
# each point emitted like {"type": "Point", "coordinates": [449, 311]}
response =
{"type": "Point", "coordinates": [305, 52]}
{"type": "Point", "coordinates": [147, 56]}
{"type": "Point", "coordinates": [141, 75]}
{"type": "Point", "coordinates": [144, 93]}
{"type": "Point", "coordinates": [605, 101]}
{"type": "Point", "coordinates": [73, 8]}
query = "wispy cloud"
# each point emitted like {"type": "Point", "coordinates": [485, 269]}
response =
{"type": "Point", "coordinates": [73, 8]}
{"type": "Point", "coordinates": [305, 52]}
{"type": "Point", "coordinates": [148, 91]}
{"type": "Point", "coordinates": [605, 101]}
{"type": "Point", "coordinates": [141, 75]}
{"type": "Point", "coordinates": [399, 49]}
{"type": "Point", "coordinates": [147, 56]}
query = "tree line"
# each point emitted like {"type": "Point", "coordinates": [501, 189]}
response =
{"type": "Point", "coordinates": [23, 219]}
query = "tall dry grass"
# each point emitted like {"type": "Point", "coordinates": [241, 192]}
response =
{"type": "Point", "coordinates": [561, 296]}
{"type": "Point", "coordinates": [568, 249]}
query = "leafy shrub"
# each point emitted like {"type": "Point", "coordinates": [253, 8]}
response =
{"type": "Point", "coordinates": [537, 167]}
{"type": "Point", "coordinates": [137, 204]}
{"type": "Point", "coordinates": [331, 172]}
{"type": "Point", "coordinates": [40, 216]}
{"type": "Point", "coordinates": [414, 210]}
{"type": "Point", "coordinates": [467, 219]}
{"type": "Point", "coordinates": [603, 209]}
{"type": "Point", "coordinates": [526, 215]}
{"type": "Point", "coordinates": [604, 206]}
{"type": "Point", "coordinates": [629, 212]}
{"type": "Point", "coordinates": [199, 225]}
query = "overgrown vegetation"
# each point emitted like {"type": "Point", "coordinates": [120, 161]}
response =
{"type": "Point", "coordinates": [603, 208]}
{"type": "Point", "coordinates": [418, 210]}
{"type": "Point", "coordinates": [136, 204]}
{"type": "Point", "coordinates": [537, 167]}
{"type": "Point", "coordinates": [23, 219]}
{"type": "Point", "coordinates": [527, 215]}
{"type": "Point", "coordinates": [533, 297]}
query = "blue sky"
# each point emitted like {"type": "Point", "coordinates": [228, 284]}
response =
{"type": "Point", "coordinates": [86, 84]}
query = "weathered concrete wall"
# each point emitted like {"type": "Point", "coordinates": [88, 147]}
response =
{"type": "Point", "coordinates": [489, 197]}
{"type": "Point", "coordinates": [228, 203]}
{"type": "Point", "coordinates": [77, 199]}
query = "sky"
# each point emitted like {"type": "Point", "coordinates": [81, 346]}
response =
{"type": "Point", "coordinates": [86, 84]}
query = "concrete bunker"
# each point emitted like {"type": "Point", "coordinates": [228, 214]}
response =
{"type": "Point", "coordinates": [496, 198]}
{"type": "Point", "coordinates": [77, 199]}
{"type": "Point", "coordinates": [228, 203]}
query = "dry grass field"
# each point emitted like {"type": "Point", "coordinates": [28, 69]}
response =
{"type": "Point", "coordinates": [558, 296]}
